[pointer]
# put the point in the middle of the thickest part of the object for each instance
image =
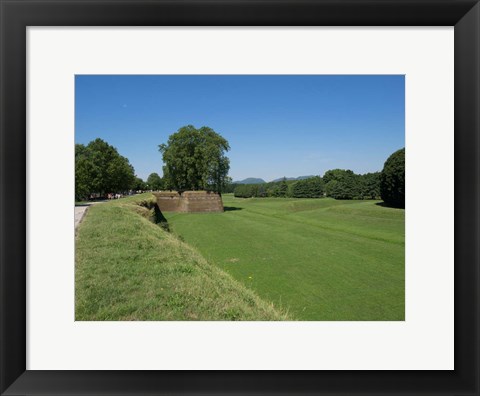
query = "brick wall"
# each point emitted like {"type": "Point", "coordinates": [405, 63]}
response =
{"type": "Point", "coordinates": [168, 201]}
{"type": "Point", "coordinates": [189, 201]}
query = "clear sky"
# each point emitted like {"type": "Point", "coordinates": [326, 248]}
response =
{"type": "Point", "coordinates": [276, 125]}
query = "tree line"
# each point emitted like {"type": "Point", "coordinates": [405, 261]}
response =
{"type": "Point", "coordinates": [194, 159]}
{"type": "Point", "coordinates": [100, 170]}
{"type": "Point", "coordinates": [389, 185]}
{"type": "Point", "coordinates": [336, 183]}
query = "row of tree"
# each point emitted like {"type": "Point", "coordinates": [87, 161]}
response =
{"type": "Point", "coordinates": [336, 183]}
{"type": "Point", "coordinates": [388, 185]}
{"type": "Point", "coordinates": [194, 159]}
{"type": "Point", "coordinates": [154, 182]}
{"type": "Point", "coordinates": [272, 189]}
{"type": "Point", "coordinates": [100, 169]}
{"type": "Point", "coordinates": [345, 184]}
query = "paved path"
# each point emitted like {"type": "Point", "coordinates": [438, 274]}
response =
{"type": "Point", "coordinates": [81, 211]}
{"type": "Point", "coordinates": [79, 214]}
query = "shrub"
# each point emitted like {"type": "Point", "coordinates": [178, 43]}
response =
{"type": "Point", "coordinates": [392, 180]}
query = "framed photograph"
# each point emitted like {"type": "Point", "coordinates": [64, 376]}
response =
{"type": "Point", "coordinates": [210, 197]}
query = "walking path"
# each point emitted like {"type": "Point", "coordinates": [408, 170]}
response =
{"type": "Point", "coordinates": [80, 212]}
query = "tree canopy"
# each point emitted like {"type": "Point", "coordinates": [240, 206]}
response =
{"type": "Point", "coordinates": [341, 184]}
{"type": "Point", "coordinates": [99, 168]}
{"type": "Point", "coordinates": [370, 185]}
{"type": "Point", "coordinates": [195, 160]}
{"type": "Point", "coordinates": [139, 184]}
{"type": "Point", "coordinates": [154, 182]}
{"type": "Point", "coordinates": [392, 180]}
{"type": "Point", "coordinates": [345, 184]}
{"type": "Point", "coordinates": [280, 189]}
{"type": "Point", "coordinates": [308, 188]}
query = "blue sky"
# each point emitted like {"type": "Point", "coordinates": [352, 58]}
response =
{"type": "Point", "coordinates": [276, 125]}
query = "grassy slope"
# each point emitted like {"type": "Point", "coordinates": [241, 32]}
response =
{"type": "Point", "coordinates": [128, 268]}
{"type": "Point", "coordinates": [321, 259]}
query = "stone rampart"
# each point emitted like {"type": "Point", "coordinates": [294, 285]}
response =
{"type": "Point", "coordinates": [189, 201]}
{"type": "Point", "coordinates": [168, 201]}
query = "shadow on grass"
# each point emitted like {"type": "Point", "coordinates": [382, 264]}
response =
{"type": "Point", "coordinates": [160, 219]}
{"type": "Point", "coordinates": [230, 208]}
{"type": "Point", "coordinates": [384, 205]}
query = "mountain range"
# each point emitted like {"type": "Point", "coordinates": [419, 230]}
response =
{"type": "Point", "coordinates": [250, 180]}
{"type": "Point", "coordinates": [256, 180]}
{"type": "Point", "coordinates": [293, 178]}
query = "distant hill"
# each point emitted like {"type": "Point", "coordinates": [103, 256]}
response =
{"type": "Point", "coordinates": [281, 178]}
{"type": "Point", "coordinates": [305, 177]}
{"type": "Point", "coordinates": [257, 180]}
{"type": "Point", "coordinates": [250, 180]}
{"type": "Point", "coordinates": [293, 178]}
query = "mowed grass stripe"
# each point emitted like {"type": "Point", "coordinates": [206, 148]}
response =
{"type": "Point", "coordinates": [356, 222]}
{"type": "Point", "coordinates": [315, 263]}
{"type": "Point", "coordinates": [380, 223]}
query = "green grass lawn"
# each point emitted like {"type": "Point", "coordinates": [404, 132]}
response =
{"type": "Point", "coordinates": [320, 259]}
{"type": "Point", "coordinates": [128, 268]}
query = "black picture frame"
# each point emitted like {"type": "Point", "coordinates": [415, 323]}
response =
{"type": "Point", "coordinates": [16, 15]}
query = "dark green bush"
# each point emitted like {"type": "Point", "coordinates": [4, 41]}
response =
{"type": "Point", "coordinates": [392, 180]}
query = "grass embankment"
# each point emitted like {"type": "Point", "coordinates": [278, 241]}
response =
{"type": "Point", "coordinates": [321, 259]}
{"type": "Point", "coordinates": [128, 268]}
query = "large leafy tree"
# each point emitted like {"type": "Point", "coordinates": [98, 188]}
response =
{"type": "Point", "coordinates": [342, 184]}
{"type": "Point", "coordinates": [99, 168]}
{"type": "Point", "coordinates": [308, 188]}
{"type": "Point", "coordinates": [154, 181]}
{"type": "Point", "coordinates": [83, 168]}
{"type": "Point", "coordinates": [195, 160]}
{"type": "Point", "coordinates": [392, 180]}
